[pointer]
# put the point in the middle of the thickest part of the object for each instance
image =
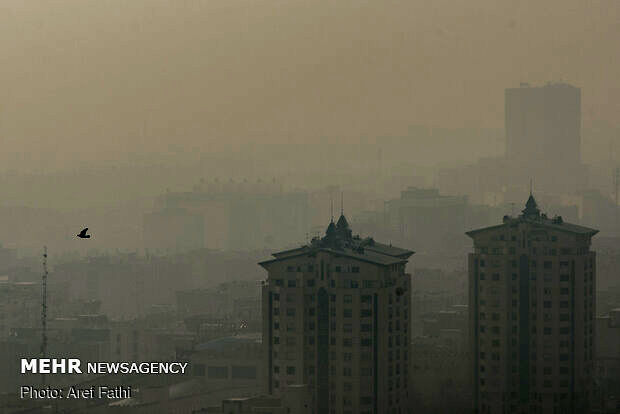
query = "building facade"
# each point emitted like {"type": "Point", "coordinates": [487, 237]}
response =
{"type": "Point", "coordinates": [423, 217]}
{"type": "Point", "coordinates": [543, 122]}
{"type": "Point", "coordinates": [531, 290]}
{"type": "Point", "coordinates": [336, 317]}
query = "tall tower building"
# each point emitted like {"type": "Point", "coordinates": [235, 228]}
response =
{"type": "Point", "coordinates": [543, 124]}
{"type": "Point", "coordinates": [532, 308]}
{"type": "Point", "coordinates": [336, 317]}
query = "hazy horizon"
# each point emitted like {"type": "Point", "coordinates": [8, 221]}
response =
{"type": "Point", "coordinates": [86, 81]}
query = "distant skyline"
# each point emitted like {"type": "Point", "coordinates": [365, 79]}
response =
{"type": "Point", "coordinates": [80, 79]}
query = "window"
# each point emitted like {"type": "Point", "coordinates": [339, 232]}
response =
{"type": "Point", "coordinates": [292, 283]}
{"type": "Point", "coordinates": [310, 282]}
{"type": "Point", "coordinates": [243, 372]}
{"type": "Point", "coordinates": [495, 276]}
{"type": "Point", "coordinates": [290, 370]}
{"type": "Point", "coordinates": [355, 269]}
{"type": "Point", "coordinates": [218, 372]}
{"type": "Point", "coordinates": [290, 311]}
{"type": "Point", "coordinates": [348, 299]}
{"type": "Point", "coordinates": [366, 299]}
{"type": "Point", "coordinates": [347, 327]}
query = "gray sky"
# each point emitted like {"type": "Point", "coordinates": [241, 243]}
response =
{"type": "Point", "coordinates": [88, 79]}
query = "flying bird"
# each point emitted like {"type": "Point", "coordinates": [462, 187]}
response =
{"type": "Point", "coordinates": [83, 235]}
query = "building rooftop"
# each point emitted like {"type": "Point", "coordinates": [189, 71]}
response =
{"type": "Point", "coordinates": [531, 214]}
{"type": "Point", "coordinates": [339, 240]}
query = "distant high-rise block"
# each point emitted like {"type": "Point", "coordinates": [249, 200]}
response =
{"type": "Point", "coordinates": [543, 124]}
{"type": "Point", "coordinates": [532, 307]}
{"type": "Point", "coordinates": [336, 317]}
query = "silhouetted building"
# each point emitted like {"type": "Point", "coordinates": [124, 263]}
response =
{"type": "Point", "coordinates": [423, 217]}
{"type": "Point", "coordinates": [336, 317]}
{"type": "Point", "coordinates": [531, 291]}
{"type": "Point", "coordinates": [173, 229]}
{"type": "Point", "coordinates": [543, 140]}
{"type": "Point", "coordinates": [233, 216]}
{"type": "Point", "coordinates": [608, 361]}
{"type": "Point", "coordinates": [543, 124]}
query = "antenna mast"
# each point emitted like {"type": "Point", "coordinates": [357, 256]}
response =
{"type": "Point", "coordinates": [44, 309]}
{"type": "Point", "coordinates": [617, 184]}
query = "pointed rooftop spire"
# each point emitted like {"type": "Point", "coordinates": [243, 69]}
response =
{"type": "Point", "coordinates": [531, 208]}
{"type": "Point", "coordinates": [342, 222]}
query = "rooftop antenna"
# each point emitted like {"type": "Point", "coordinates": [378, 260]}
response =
{"type": "Point", "coordinates": [342, 203]}
{"type": "Point", "coordinates": [44, 309]}
{"type": "Point", "coordinates": [331, 199]}
{"type": "Point", "coordinates": [617, 184]}
{"type": "Point", "coordinates": [530, 186]}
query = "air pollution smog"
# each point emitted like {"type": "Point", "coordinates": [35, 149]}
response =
{"type": "Point", "coordinates": [310, 207]}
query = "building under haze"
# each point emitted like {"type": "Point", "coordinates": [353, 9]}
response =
{"type": "Point", "coordinates": [531, 290]}
{"type": "Point", "coordinates": [543, 140]}
{"type": "Point", "coordinates": [227, 216]}
{"type": "Point", "coordinates": [543, 123]}
{"type": "Point", "coordinates": [336, 317]}
{"type": "Point", "coordinates": [423, 217]}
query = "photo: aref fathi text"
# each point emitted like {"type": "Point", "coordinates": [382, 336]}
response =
{"type": "Point", "coordinates": [75, 392]}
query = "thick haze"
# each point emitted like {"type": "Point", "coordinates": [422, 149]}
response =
{"type": "Point", "coordinates": [91, 80]}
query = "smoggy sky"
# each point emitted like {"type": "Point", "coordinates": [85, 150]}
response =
{"type": "Point", "coordinates": [86, 79]}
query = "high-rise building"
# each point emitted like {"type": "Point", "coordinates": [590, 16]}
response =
{"type": "Point", "coordinates": [543, 123]}
{"type": "Point", "coordinates": [421, 216]}
{"type": "Point", "coordinates": [531, 290]}
{"type": "Point", "coordinates": [336, 317]}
